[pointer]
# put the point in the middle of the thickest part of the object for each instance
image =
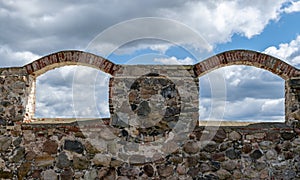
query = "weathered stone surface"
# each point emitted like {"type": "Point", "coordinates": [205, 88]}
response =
{"type": "Point", "coordinates": [49, 175]}
{"type": "Point", "coordinates": [229, 165]}
{"type": "Point", "coordinates": [271, 154]}
{"type": "Point", "coordinates": [6, 174]}
{"type": "Point", "coordinates": [256, 154]}
{"type": "Point", "coordinates": [233, 154]}
{"type": "Point", "coordinates": [23, 170]}
{"type": "Point", "coordinates": [101, 160]}
{"type": "Point", "coordinates": [287, 135]}
{"type": "Point", "coordinates": [165, 171]}
{"type": "Point", "coordinates": [194, 172]}
{"type": "Point", "coordinates": [220, 136]}
{"type": "Point", "coordinates": [149, 170]}
{"type": "Point", "coordinates": [181, 170]}
{"type": "Point", "coordinates": [44, 160]}
{"type": "Point", "coordinates": [191, 147]}
{"type": "Point", "coordinates": [247, 148]}
{"type": "Point", "coordinates": [62, 161]}
{"type": "Point", "coordinates": [74, 146]}
{"type": "Point", "coordinates": [218, 156]}
{"type": "Point", "coordinates": [5, 142]}
{"type": "Point", "coordinates": [19, 154]}
{"type": "Point", "coordinates": [223, 174]}
{"type": "Point", "coordinates": [137, 159]}
{"type": "Point", "coordinates": [204, 167]}
{"type": "Point", "coordinates": [80, 163]}
{"type": "Point", "coordinates": [192, 161]}
{"type": "Point", "coordinates": [234, 136]}
{"type": "Point", "coordinates": [210, 147]}
{"type": "Point", "coordinates": [91, 174]}
{"type": "Point", "coordinates": [67, 174]}
{"type": "Point", "coordinates": [50, 147]}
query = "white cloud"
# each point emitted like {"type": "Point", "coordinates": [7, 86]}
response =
{"type": "Point", "coordinates": [217, 21]}
{"type": "Point", "coordinates": [174, 60]}
{"type": "Point", "coordinates": [287, 51]}
{"type": "Point", "coordinates": [294, 7]}
{"type": "Point", "coordinates": [15, 58]}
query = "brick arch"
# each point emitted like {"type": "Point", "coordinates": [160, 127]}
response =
{"type": "Point", "coordinates": [64, 58]}
{"type": "Point", "coordinates": [246, 57]}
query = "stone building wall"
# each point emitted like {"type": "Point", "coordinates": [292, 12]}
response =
{"type": "Point", "coordinates": [177, 148]}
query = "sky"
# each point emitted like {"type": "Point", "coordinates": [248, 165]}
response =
{"type": "Point", "coordinates": [153, 32]}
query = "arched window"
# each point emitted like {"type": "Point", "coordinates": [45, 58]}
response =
{"type": "Point", "coordinates": [72, 92]}
{"type": "Point", "coordinates": [251, 95]}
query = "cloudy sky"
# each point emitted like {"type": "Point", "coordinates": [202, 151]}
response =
{"type": "Point", "coordinates": [153, 32]}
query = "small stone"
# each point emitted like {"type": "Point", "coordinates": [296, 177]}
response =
{"type": "Point", "coordinates": [67, 174]}
{"type": "Point", "coordinates": [107, 134]}
{"type": "Point", "coordinates": [288, 155]}
{"type": "Point", "coordinates": [192, 161]}
{"type": "Point", "coordinates": [272, 136]}
{"type": "Point", "coordinates": [237, 174]}
{"type": "Point", "coordinates": [137, 159]}
{"type": "Point", "coordinates": [229, 165]}
{"type": "Point", "coordinates": [19, 154]}
{"type": "Point", "coordinates": [103, 172]}
{"type": "Point", "coordinates": [101, 160]}
{"type": "Point", "coordinates": [287, 135]}
{"type": "Point", "coordinates": [203, 156]}
{"type": "Point", "coordinates": [289, 174]}
{"type": "Point", "coordinates": [247, 148]}
{"type": "Point", "coordinates": [50, 147]}
{"type": "Point", "coordinates": [271, 154]}
{"type": "Point", "coordinates": [181, 170]}
{"type": "Point", "coordinates": [220, 136]}
{"type": "Point", "coordinates": [223, 174]}
{"type": "Point", "coordinates": [2, 163]}
{"type": "Point", "coordinates": [49, 175]}
{"type": "Point", "coordinates": [264, 145]}
{"type": "Point", "coordinates": [149, 170]}
{"type": "Point", "coordinates": [176, 159]}
{"type": "Point", "coordinates": [6, 174]}
{"type": "Point", "coordinates": [218, 156]}
{"type": "Point", "coordinates": [264, 174]}
{"type": "Point", "coordinates": [80, 163]}
{"type": "Point", "coordinates": [234, 136]}
{"type": "Point", "coordinates": [74, 146]}
{"type": "Point", "coordinates": [23, 170]}
{"type": "Point", "coordinates": [36, 174]}
{"type": "Point", "coordinates": [92, 174]}
{"type": "Point", "coordinates": [62, 161]}
{"type": "Point", "coordinates": [191, 147]}
{"type": "Point", "coordinates": [233, 154]}
{"type": "Point", "coordinates": [225, 145]}
{"type": "Point", "coordinates": [215, 166]}
{"type": "Point", "coordinates": [296, 141]}
{"type": "Point", "coordinates": [17, 142]}
{"type": "Point", "coordinates": [286, 146]}
{"type": "Point", "coordinates": [211, 146]}
{"type": "Point", "coordinates": [204, 167]}
{"type": "Point", "coordinates": [5, 142]}
{"type": "Point", "coordinates": [194, 172]}
{"type": "Point", "coordinates": [90, 148]}
{"type": "Point", "coordinates": [165, 171]}
{"type": "Point", "coordinates": [260, 166]}
{"type": "Point", "coordinates": [256, 154]}
{"type": "Point", "coordinates": [44, 160]}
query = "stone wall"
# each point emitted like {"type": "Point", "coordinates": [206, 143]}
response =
{"type": "Point", "coordinates": [144, 139]}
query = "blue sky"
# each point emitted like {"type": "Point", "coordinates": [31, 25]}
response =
{"type": "Point", "coordinates": [33, 29]}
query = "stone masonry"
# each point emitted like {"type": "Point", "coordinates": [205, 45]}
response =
{"type": "Point", "coordinates": [152, 132]}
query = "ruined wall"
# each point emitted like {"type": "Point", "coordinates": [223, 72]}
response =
{"type": "Point", "coordinates": [115, 148]}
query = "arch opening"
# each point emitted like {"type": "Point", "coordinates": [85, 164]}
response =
{"type": "Point", "coordinates": [72, 91]}
{"type": "Point", "coordinates": [252, 95]}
